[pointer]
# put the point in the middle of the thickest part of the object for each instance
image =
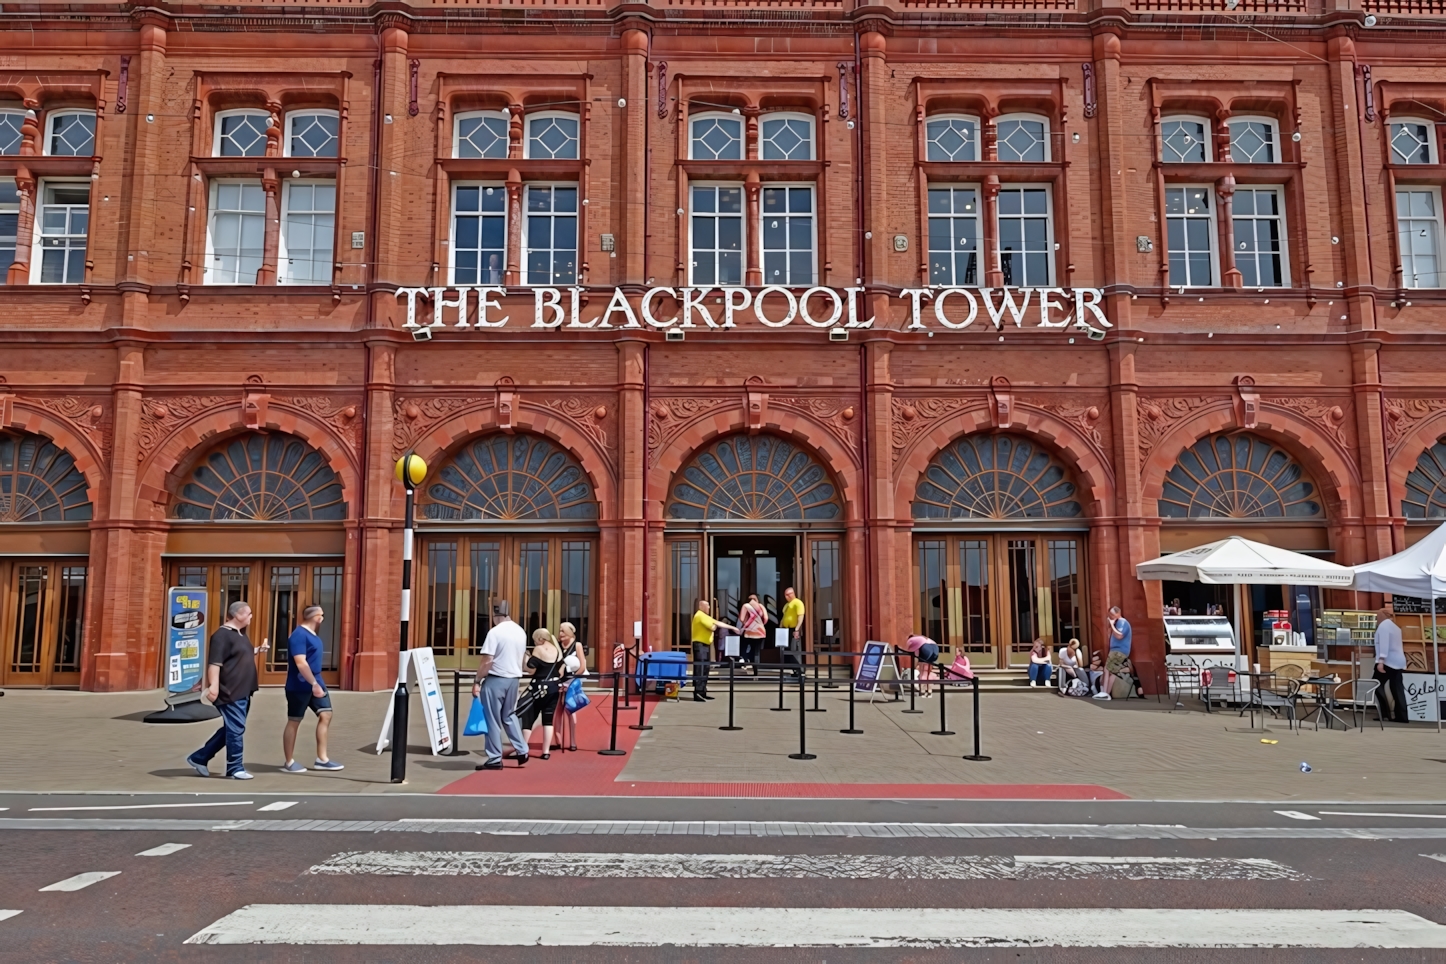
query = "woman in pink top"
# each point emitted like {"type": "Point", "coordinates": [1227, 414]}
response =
{"type": "Point", "coordinates": [753, 620]}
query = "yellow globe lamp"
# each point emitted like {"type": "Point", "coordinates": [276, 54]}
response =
{"type": "Point", "coordinates": [411, 470]}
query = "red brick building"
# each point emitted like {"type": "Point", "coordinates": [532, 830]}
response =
{"type": "Point", "coordinates": [944, 313]}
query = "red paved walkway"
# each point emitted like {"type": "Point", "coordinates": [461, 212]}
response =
{"type": "Point", "coordinates": [586, 774]}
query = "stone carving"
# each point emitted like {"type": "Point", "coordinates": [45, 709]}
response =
{"type": "Point", "coordinates": [414, 417]}
{"type": "Point", "coordinates": [837, 414]}
{"type": "Point", "coordinates": [89, 415]}
{"type": "Point", "coordinates": [160, 417]}
{"type": "Point", "coordinates": [592, 415]}
{"type": "Point", "coordinates": [342, 415]}
{"type": "Point", "coordinates": [1081, 413]}
{"type": "Point", "coordinates": [1325, 413]}
{"type": "Point", "coordinates": [912, 417]}
{"type": "Point", "coordinates": [1157, 416]}
{"type": "Point", "coordinates": [1404, 414]}
{"type": "Point", "coordinates": [670, 417]}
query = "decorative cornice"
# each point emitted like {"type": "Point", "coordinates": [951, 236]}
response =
{"type": "Point", "coordinates": [594, 415]}
{"type": "Point", "coordinates": [671, 417]}
{"type": "Point", "coordinates": [342, 415]}
{"type": "Point", "coordinates": [162, 416]}
{"type": "Point", "coordinates": [913, 417]}
{"type": "Point", "coordinates": [1158, 416]}
{"type": "Point", "coordinates": [838, 415]}
{"type": "Point", "coordinates": [89, 415]}
{"type": "Point", "coordinates": [1403, 415]}
{"type": "Point", "coordinates": [415, 417]}
{"type": "Point", "coordinates": [1326, 413]}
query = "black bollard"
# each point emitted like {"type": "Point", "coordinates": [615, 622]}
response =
{"type": "Point", "coordinates": [913, 682]}
{"type": "Point", "coordinates": [853, 686]}
{"type": "Point", "coordinates": [456, 703]}
{"type": "Point", "coordinates": [730, 726]}
{"type": "Point", "coordinates": [802, 753]}
{"type": "Point", "coordinates": [816, 708]}
{"type": "Point", "coordinates": [780, 708]}
{"type": "Point", "coordinates": [642, 696]}
{"type": "Point", "coordinates": [976, 755]}
{"type": "Point", "coordinates": [943, 729]}
{"type": "Point", "coordinates": [612, 749]}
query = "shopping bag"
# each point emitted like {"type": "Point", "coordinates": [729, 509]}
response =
{"type": "Point", "coordinates": [575, 699]}
{"type": "Point", "coordinates": [476, 719]}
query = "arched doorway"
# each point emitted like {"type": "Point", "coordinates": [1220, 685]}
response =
{"type": "Point", "coordinates": [260, 519]}
{"type": "Point", "coordinates": [1243, 484]}
{"type": "Point", "coordinates": [1424, 500]}
{"type": "Point", "coordinates": [509, 517]}
{"type": "Point", "coordinates": [999, 547]}
{"type": "Point", "coordinates": [45, 511]}
{"type": "Point", "coordinates": [755, 514]}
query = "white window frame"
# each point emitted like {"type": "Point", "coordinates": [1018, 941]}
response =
{"type": "Point", "coordinates": [307, 112]}
{"type": "Point", "coordinates": [812, 240]}
{"type": "Point", "coordinates": [978, 233]}
{"type": "Point", "coordinates": [1004, 118]}
{"type": "Point", "coordinates": [54, 115]}
{"type": "Point", "coordinates": [466, 115]}
{"type": "Point", "coordinates": [1432, 148]}
{"type": "Point", "coordinates": [216, 128]}
{"type": "Point", "coordinates": [542, 115]}
{"type": "Point", "coordinates": [1279, 191]}
{"type": "Point", "coordinates": [719, 115]}
{"type": "Point", "coordinates": [19, 115]}
{"type": "Point", "coordinates": [1274, 125]}
{"type": "Point", "coordinates": [742, 233]}
{"type": "Point", "coordinates": [953, 116]}
{"type": "Point", "coordinates": [526, 225]}
{"type": "Point", "coordinates": [37, 247]}
{"type": "Point", "coordinates": [1212, 234]}
{"type": "Point", "coordinates": [1206, 149]}
{"type": "Point", "coordinates": [787, 115]}
{"type": "Point", "coordinates": [1048, 229]}
{"type": "Point", "coordinates": [208, 273]}
{"type": "Point", "coordinates": [283, 257]}
{"type": "Point", "coordinates": [11, 208]}
{"type": "Point", "coordinates": [452, 231]}
{"type": "Point", "coordinates": [1407, 279]}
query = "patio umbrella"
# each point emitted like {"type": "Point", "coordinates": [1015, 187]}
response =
{"type": "Point", "coordinates": [1418, 571]}
{"type": "Point", "coordinates": [1237, 560]}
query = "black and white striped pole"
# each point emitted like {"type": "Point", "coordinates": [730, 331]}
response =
{"type": "Point", "coordinates": [411, 470]}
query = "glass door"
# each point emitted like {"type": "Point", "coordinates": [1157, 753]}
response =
{"type": "Point", "coordinates": [45, 619]}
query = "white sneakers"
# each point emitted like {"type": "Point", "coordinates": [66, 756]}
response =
{"type": "Point", "coordinates": [1101, 696]}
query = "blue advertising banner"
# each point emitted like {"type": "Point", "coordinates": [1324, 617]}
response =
{"type": "Point", "coordinates": [185, 638]}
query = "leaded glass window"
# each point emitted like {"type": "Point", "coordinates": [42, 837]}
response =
{"type": "Point", "coordinates": [1252, 141]}
{"type": "Point", "coordinates": [269, 477]}
{"type": "Point", "coordinates": [39, 481]}
{"type": "Point", "coordinates": [995, 477]}
{"type": "Point", "coordinates": [10, 121]}
{"type": "Point", "coordinates": [1425, 496]}
{"type": "Point", "coordinates": [508, 478]}
{"type": "Point", "coordinates": [1239, 476]}
{"type": "Point", "coordinates": [754, 478]}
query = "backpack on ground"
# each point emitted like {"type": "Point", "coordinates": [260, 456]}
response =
{"type": "Point", "coordinates": [1076, 687]}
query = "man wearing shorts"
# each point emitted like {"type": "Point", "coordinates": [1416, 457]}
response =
{"type": "Point", "coordinates": [305, 691]}
{"type": "Point", "coordinates": [1119, 628]}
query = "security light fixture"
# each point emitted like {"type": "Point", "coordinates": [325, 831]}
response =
{"type": "Point", "coordinates": [421, 334]}
{"type": "Point", "coordinates": [838, 334]}
{"type": "Point", "coordinates": [675, 334]}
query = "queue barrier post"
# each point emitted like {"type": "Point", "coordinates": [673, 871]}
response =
{"type": "Point", "coordinates": [612, 749]}
{"type": "Point", "coordinates": [853, 686]}
{"type": "Point", "coordinates": [642, 666]}
{"type": "Point", "coordinates": [731, 664]}
{"type": "Point", "coordinates": [976, 755]}
{"type": "Point", "coordinates": [816, 708]}
{"type": "Point", "coordinates": [943, 729]}
{"type": "Point", "coordinates": [456, 707]}
{"type": "Point", "coordinates": [913, 682]}
{"type": "Point", "coordinates": [780, 708]}
{"type": "Point", "coordinates": [802, 753]}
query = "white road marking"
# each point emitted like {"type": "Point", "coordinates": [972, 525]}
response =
{"type": "Point", "coordinates": [1296, 815]}
{"type": "Point", "coordinates": [572, 926]}
{"type": "Point", "coordinates": [164, 850]}
{"type": "Point", "coordinates": [7, 914]}
{"type": "Point", "coordinates": [1360, 813]}
{"type": "Point", "coordinates": [149, 806]}
{"type": "Point", "coordinates": [799, 866]}
{"type": "Point", "coordinates": [81, 881]}
{"type": "Point", "coordinates": [1440, 857]}
{"type": "Point", "coordinates": [278, 805]}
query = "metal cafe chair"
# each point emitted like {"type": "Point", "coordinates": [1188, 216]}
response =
{"type": "Point", "coordinates": [1219, 687]}
{"type": "Point", "coordinates": [1361, 701]}
{"type": "Point", "coordinates": [1272, 694]}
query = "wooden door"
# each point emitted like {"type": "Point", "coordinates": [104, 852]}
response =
{"type": "Point", "coordinates": [44, 613]}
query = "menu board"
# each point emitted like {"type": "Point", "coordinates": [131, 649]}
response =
{"type": "Point", "coordinates": [1416, 605]}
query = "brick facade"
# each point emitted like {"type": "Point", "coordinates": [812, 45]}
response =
{"type": "Point", "coordinates": [138, 366]}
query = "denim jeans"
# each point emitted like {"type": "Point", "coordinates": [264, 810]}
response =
{"type": "Point", "coordinates": [233, 729]}
{"type": "Point", "coordinates": [1040, 673]}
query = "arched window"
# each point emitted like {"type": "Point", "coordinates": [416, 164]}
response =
{"type": "Point", "coordinates": [241, 133]}
{"type": "Point", "coordinates": [1022, 138]}
{"type": "Point", "coordinates": [312, 133]}
{"type": "Point", "coordinates": [1184, 140]}
{"type": "Point", "coordinates": [511, 477]}
{"type": "Point", "coordinates": [1254, 140]}
{"type": "Point", "coordinates": [1237, 477]}
{"type": "Point", "coordinates": [10, 121]}
{"type": "Point", "coordinates": [1413, 141]}
{"type": "Point", "coordinates": [261, 478]}
{"type": "Point", "coordinates": [951, 138]}
{"type": "Point", "coordinates": [755, 478]}
{"type": "Point", "coordinates": [787, 137]}
{"type": "Point", "coordinates": [715, 137]}
{"type": "Point", "coordinates": [70, 133]}
{"type": "Point", "coordinates": [552, 135]}
{"type": "Point", "coordinates": [39, 482]}
{"type": "Point", "coordinates": [1425, 496]}
{"type": "Point", "coordinates": [480, 133]}
{"type": "Point", "coordinates": [995, 477]}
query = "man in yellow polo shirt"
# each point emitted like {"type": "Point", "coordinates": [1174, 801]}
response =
{"type": "Point", "coordinates": [792, 620]}
{"type": "Point", "coordinates": [704, 626]}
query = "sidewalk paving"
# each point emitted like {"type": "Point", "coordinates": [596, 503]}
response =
{"type": "Point", "coordinates": [1043, 747]}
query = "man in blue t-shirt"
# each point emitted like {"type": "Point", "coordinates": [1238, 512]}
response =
{"type": "Point", "coordinates": [305, 690]}
{"type": "Point", "coordinates": [1120, 634]}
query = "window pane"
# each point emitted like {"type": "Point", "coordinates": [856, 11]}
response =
{"type": "Point", "coordinates": [951, 139]}
{"type": "Point", "coordinates": [717, 139]}
{"type": "Point", "coordinates": [787, 139]}
{"type": "Point", "coordinates": [243, 135]}
{"type": "Point", "coordinates": [314, 135]}
{"type": "Point", "coordinates": [552, 137]}
{"type": "Point", "coordinates": [481, 136]}
{"type": "Point", "coordinates": [10, 121]}
{"type": "Point", "coordinates": [73, 135]}
{"type": "Point", "coordinates": [1182, 141]}
{"type": "Point", "coordinates": [1021, 140]}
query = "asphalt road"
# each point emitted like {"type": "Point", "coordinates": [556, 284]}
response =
{"type": "Point", "coordinates": [744, 872]}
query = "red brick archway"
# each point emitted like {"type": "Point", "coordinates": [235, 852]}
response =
{"type": "Point", "coordinates": [1408, 450]}
{"type": "Point", "coordinates": [787, 425]}
{"type": "Point", "coordinates": [89, 460]}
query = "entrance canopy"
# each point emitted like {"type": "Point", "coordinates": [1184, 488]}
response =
{"type": "Point", "coordinates": [1237, 560]}
{"type": "Point", "coordinates": [1417, 571]}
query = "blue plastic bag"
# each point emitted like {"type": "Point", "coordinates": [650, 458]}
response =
{"type": "Point", "coordinates": [575, 699]}
{"type": "Point", "coordinates": [476, 719]}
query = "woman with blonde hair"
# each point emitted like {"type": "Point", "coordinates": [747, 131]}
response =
{"type": "Point", "coordinates": [547, 672]}
{"type": "Point", "coordinates": [574, 660]}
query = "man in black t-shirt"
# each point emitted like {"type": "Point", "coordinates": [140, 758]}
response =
{"type": "Point", "coordinates": [230, 682]}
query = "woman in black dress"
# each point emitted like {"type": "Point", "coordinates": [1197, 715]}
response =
{"type": "Point", "coordinates": [547, 677]}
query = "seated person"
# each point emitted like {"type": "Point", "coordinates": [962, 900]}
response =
{"type": "Point", "coordinates": [1041, 669]}
{"type": "Point", "coordinates": [1071, 666]}
{"type": "Point", "coordinates": [1096, 672]}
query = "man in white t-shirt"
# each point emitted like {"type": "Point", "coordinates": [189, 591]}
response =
{"type": "Point", "coordinates": [498, 672]}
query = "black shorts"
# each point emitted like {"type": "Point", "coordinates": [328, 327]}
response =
{"type": "Point", "coordinates": [299, 702]}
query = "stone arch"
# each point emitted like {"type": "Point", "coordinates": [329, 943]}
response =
{"type": "Point", "coordinates": [792, 426]}
{"type": "Point", "coordinates": [163, 473]}
{"type": "Point", "coordinates": [442, 440]}
{"type": "Point", "coordinates": [1093, 476]}
{"type": "Point", "coordinates": [89, 460]}
{"type": "Point", "coordinates": [1332, 473]}
{"type": "Point", "coordinates": [1408, 451]}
